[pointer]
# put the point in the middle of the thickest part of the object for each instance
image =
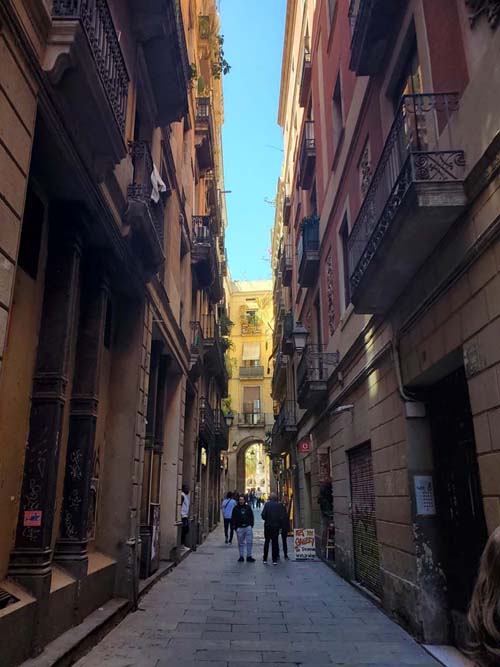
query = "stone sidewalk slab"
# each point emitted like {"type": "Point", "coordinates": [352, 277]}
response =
{"type": "Point", "coordinates": [216, 612]}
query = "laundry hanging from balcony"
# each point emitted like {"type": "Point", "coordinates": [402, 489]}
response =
{"type": "Point", "coordinates": [157, 185]}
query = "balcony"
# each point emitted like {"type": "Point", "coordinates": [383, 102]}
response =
{"type": "Point", "coordinates": [207, 422]}
{"type": "Point", "coordinates": [279, 375]}
{"type": "Point", "coordinates": [287, 209]}
{"type": "Point", "coordinates": [253, 419]}
{"type": "Point", "coordinates": [221, 431]}
{"type": "Point", "coordinates": [143, 214]}
{"type": "Point", "coordinates": [213, 351]}
{"type": "Point", "coordinates": [159, 27]}
{"type": "Point", "coordinates": [308, 252]}
{"type": "Point", "coordinates": [85, 65]}
{"type": "Point", "coordinates": [196, 351]}
{"type": "Point", "coordinates": [251, 326]}
{"type": "Point", "coordinates": [287, 340]}
{"type": "Point", "coordinates": [307, 156]}
{"type": "Point", "coordinates": [313, 372]}
{"type": "Point", "coordinates": [285, 428]}
{"type": "Point", "coordinates": [204, 134]}
{"type": "Point", "coordinates": [415, 195]}
{"type": "Point", "coordinates": [251, 372]}
{"type": "Point", "coordinates": [203, 255]}
{"type": "Point", "coordinates": [305, 79]}
{"type": "Point", "coordinates": [373, 25]}
{"type": "Point", "coordinates": [286, 264]}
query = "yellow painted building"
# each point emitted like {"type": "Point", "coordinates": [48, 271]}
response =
{"type": "Point", "coordinates": [251, 314]}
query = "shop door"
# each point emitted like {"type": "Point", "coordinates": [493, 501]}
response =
{"type": "Point", "coordinates": [364, 526]}
{"type": "Point", "coordinates": [458, 493]}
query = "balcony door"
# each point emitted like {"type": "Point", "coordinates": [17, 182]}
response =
{"type": "Point", "coordinates": [251, 405]}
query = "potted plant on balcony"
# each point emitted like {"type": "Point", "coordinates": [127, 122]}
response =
{"type": "Point", "coordinates": [309, 222]}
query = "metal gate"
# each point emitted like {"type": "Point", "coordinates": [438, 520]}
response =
{"type": "Point", "coordinates": [364, 526]}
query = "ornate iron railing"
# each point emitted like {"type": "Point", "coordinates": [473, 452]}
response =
{"type": "Point", "coordinates": [288, 325]}
{"type": "Point", "coordinates": [315, 365]}
{"type": "Point", "coordinates": [286, 417]}
{"type": "Point", "coordinates": [207, 420]}
{"type": "Point", "coordinates": [309, 238]}
{"type": "Point", "coordinates": [203, 109]}
{"type": "Point", "coordinates": [221, 428]}
{"type": "Point", "coordinates": [418, 149]}
{"type": "Point", "coordinates": [287, 207]}
{"type": "Point", "coordinates": [202, 229]}
{"type": "Point", "coordinates": [286, 257]}
{"type": "Point", "coordinates": [141, 187]}
{"type": "Point", "coordinates": [308, 144]}
{"type": "Point", "coordinates": [97, 24]}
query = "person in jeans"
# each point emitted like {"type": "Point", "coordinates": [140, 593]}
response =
{"type": "Point", "coordinates": [228, 505]}
{"type": "Point", "coordinates": [273, 521]}
{"type": "Point", "coordinates": [185, 502]}
{"type": "Point", "coordinates": [242, 520]}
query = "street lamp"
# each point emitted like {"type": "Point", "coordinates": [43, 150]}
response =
{"type": "Point", "coordinates": [299, 335]}
{"type": "Point", "coordinates": [229, 417]}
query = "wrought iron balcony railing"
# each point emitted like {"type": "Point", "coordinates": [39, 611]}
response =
{"type": "Point", "coordinates": [287, 208]}
{"type": "Point", "coordinates": [307, 156]}
{"type": "Point", "coordinates": [418, 150]}
{"type": "Point", "coordinates": [286, 263]}
{"type": "Point", "coordinates": [207, 421]}
{"type": "Point", "coordinates": [251, 419]}
{"type": "Point", "coordinates": [287, 417]}
{"type": "Point", "coordinates": [305, 78]}
{"type": "Point", "coordinates": [221, 430]}
{"type": "Point", "coordinates": [141, 188]}
{"type": "Point", "coordinates": [308, 251]}
{"type": "Point", "coordinates": [95, 19]}
{"type": "Point", "coordinates": [315, 366]}
{"type": "Point", "coordinates": [251, 372]}
{"type": "Point", "coordinates": [202, 229]}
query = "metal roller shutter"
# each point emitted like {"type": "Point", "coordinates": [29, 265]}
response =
{"type": "Point", "coordinates": [364, 526]}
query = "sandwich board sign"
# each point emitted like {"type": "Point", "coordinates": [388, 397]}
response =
{"type": "Point", "coordinates": [304, 543]}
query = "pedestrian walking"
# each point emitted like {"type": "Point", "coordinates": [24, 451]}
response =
{"type": "Point", "coordinates": [227, 507]}
{"type": "Point", "coordinates": [185, 502]}
{"type": "Point", "coordinates": [258, 498]}
{"type": "Point", "coordinates": [243, 520]}
{"type": "Point", "coordinates": [483, 617]}
{"type": "Point", "coordinates": [285, 529]}
{"type": "Point", "coordinates": [272, 514]}
{"type": "Point", "coordinates": [251, 498]}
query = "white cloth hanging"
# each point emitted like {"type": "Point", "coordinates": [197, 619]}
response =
{"type": "Point", "coordinates": [157, 185]}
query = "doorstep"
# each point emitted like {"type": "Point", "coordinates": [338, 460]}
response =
{"type": "Point", "coordinates": [66, 649]}
{"type": "Point", "coordinates": [448, 655]}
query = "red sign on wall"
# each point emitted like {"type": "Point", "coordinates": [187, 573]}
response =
{"type": "Point", "coordinates": [32, 519]}
{"type": "Point", "coordinates": [305, 445]}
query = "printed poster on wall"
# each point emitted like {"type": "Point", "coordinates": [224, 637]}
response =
{"type": "Point", "coordinates": [304, 543]}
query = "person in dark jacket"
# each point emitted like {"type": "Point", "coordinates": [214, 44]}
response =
{"type": "Point", "coordinates": [273, 521]}
{"type": "Point", "coordinates": [242, 520]}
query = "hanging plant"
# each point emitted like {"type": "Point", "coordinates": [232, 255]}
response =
{"type": "Point", "coordinates": [219, 63]}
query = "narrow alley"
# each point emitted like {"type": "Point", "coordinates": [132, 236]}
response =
{"type": "Point", "coordinates": [214, 609]}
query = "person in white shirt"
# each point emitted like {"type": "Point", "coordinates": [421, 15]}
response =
{"type": "Point", "coordinates": [185, 500]}
{"type": "Point", "coordinates": [227, 507]}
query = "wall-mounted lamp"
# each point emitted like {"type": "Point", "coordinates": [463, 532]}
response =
{"type": "Point", "coordinates": [299, 335]}
{"type": "Point", "coordinates": [229, 418]}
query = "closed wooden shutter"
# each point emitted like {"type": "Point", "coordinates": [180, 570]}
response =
{"type": "Point", "coordinates": [364, 526]}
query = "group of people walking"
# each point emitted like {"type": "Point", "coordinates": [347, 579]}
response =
{"type": "Point", "coordinates": [239, 517]}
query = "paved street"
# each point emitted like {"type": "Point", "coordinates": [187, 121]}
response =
{"type": "Point", "coordinates": [214, 609]}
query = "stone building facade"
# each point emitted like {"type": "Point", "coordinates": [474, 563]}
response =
{"type": "Point", "coordinates": [391, 212]}
{"type": "Point", "coordinates": [111, 264]}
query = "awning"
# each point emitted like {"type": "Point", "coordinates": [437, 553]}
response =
{"type": "Point", "coordinates": [251, 351]}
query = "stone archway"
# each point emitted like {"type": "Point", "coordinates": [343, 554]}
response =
{"type": "Point", "coordinates": [237, 462]}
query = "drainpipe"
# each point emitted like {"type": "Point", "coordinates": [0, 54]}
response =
{"type": "Point", "coordinates": [397, 367]}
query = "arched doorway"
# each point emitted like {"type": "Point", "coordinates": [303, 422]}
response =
{"type": "Point", "coordinates": [252, 466]}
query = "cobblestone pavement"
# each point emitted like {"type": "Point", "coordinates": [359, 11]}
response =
{"type": "Point", "coordinates": [212, 609]}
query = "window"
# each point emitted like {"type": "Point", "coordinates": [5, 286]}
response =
{"type": "Point", "coordinates": [31, 234]}
{"type": "Point", "coordinates": [338, 121]}
{"type": "Point", "coordinates": [331, 9]}
{"type": "Point", "coordinates": [251, 404]}
{"type": "Point", "coordinates": [344, 236]}
{"type": "Point", "coordinates": [313, 201]}
{"type": "Point", "coordinates": [251, 354]}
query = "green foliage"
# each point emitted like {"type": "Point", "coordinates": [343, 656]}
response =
{"type": "Point", "coordinates": [193, 72]}
{"type": "Point", "coordinates": [225, 325]}
{"type": "Point", "coordinates": [226, 405]}
{"type": "Point", "coordinates": [219, 63]}
{"type": "Point", "coordinates": [309, 221]}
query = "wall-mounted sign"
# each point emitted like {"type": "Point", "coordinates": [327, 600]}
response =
{"type": "Point", "coordinates": [424, 495]}
{"type": "Point", "coordinates": [305, 445]}
{"type": "Point", "coordinates": [203, 456]}
{"type": "Point", "coordinates": [304, 543]}
{"type": "Point", "coordinates": [32, 519]}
